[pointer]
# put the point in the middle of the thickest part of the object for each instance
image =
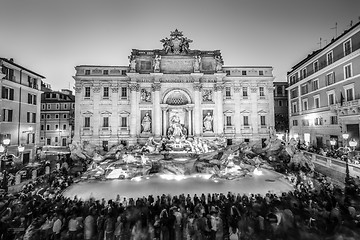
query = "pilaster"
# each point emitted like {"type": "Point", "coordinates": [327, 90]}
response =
{"type": "Point", "coordinates": [197, 101]}
{"type": "Point", "coordinates": [237, 115]}
{"type": "Point", "coordinates": [254, 109]}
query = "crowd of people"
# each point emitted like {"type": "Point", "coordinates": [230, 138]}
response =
{"type": "Point", "coordinates": [39, 211]}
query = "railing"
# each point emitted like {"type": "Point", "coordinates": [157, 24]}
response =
{"type": "Point", "coordinates": [335, 164]}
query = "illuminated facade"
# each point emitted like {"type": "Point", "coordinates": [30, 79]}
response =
{"type": "Point", "coordinates": [20, 108]}
{"type": "Point", "coordinates": [175, 91]}
{"type": "Point", "coordinates": [324, 100]}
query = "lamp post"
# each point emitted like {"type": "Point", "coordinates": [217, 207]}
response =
{"type": "Point", "coordinates": [352, 144]}
{"type": "Point", "coordinates": [345, 137]}
{"type": "Point", "coordinates": [332, 143]}
{"type": "Point", "coordinates": [4, 150]}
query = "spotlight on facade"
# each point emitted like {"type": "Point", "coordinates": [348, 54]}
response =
{"type": "Point", "coordinates": [21, 148]}
{"type": "Point", "coordinates": [353, 143]}
{"type": "Point", "coordinates": [6, 142]}
{"type": "Point", "coordinates": [2, 148]}
{"type": "Point", "coordinates": [332, 143]}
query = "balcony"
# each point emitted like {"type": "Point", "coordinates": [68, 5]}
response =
{"type": "Point", "coordinates": [263, 129]}
{"type": "Point", "coordinates": [347, 107]}
{"type": "Point", "coordinates": [229, 129]}
{"type": "Point", "coordinates": [123, 131]}
{"type": "Point", "coordinates": [246, 130]}
{"type": "Point", "coordinates": [105, 131]}
{"type": "Point", "coordinates": [87, 131]}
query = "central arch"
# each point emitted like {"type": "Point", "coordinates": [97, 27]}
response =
{"type": "Point", "coordinates": [177, 96]}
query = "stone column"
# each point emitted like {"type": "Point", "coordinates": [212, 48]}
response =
{"type": "Point", "coordinates": [237, 115]}
{"type": "Point", "coordinates": [156, 123]}
{"type": "Point", "coordinates": [164, 122]}
{"type": "Point", "coordinates": [270, 97]}
{"type": "Point", "coordinates": [254, 110]}
{"type": "Point", "coordinates": [197, 113]}
{"type": "Point", "coordinates": [115, 121]}
{"type": "Point", "coordinates": [220, 112]}
{"type": "Point", "coordinates": [97, 121]}
{"type": "Point", "coordinates": [133, 114]}
{"type": "Point", "coordinates": [190, 122]}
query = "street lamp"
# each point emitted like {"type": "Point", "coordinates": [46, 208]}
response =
{"type": "Point", "coordinates": [345, 137]}
{"type": "Point", "coordinates": [352, 144]}
{"type": "Point", "coordinates": [332, 143]}
{"type": "Point", "coordinates": [3, 149]}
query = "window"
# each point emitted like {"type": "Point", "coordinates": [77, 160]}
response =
{"type": "Point", "coordinates": [7, 115]}
{"type": "Point", "coordinates": [124, 92]}
{"type": "Point", "coordinates": [333, 120]}
{"type": "Point", "coordinates": [305, 122]}
{"type": "Point", "coordinates": [318, 121]}
{"type": "Point", "coordinates": [65, 106]}
{"type": "Point", "coordinates": [261, 91]}
{"type": "Point", "coordinates": [227, 72]}
{"type": "Point", "coordinates": [243, 72]}
{"type": "Point", "coordinates": [294, 93]}
{"type": "Point", "coordinates": [65, 116]}
{"type": "Point", "coordinates": [56, 127]}
{"type": "Point", "coordinates": [31, 99]}
{"type": "Point", "coordinates": [106, 92]}
{"type": "Point", "coordinates": [349, 92]}
{"type": "Point", "coordinates": [295, 122]}
{"type": "Point", "coordinates": [123, 122]}
{"type": "Point", "coordinates": [330, 78]}
{"type": "Point", "coordinates": [305, 104]}
{"type": "Point", "coordinates": [316, 101]}
{"type": "Point", "coordinates": [56, 115]}
{"type": "Point", "coordinates": [329, 58]}
{"type": "Point", "coordinates": [42, 116]}
{"type": "Point", "coordinates": [261, 72]}
{"type": "Point", "coordinates": [47, 127]}
{"type": "Point", "coordinates": [315, 84]}
{"type": "Point", "coordinates": [87, 72]}
{"type": "Point", "coordinates": [123, 72]}
{"type": "Point", "coordinates": [34, 117]}
{"type": "Point", "coordinates": [28, 117]}
{"type": "Point", "coordinates": [331, 98]}
{"type": "Point", "coordinates": [106, 72]}
{"type": "Point", "coordinates": [280, 103]}
{"type": "Point", "coordinates": [105, 121]}
{"type": "Point", "coordinates": [228, 92]}
{"type": "Point", "coordinates": [48, 141]}
{"type": "Point", "coordinates": [47, 116]}
{"type": "Point", "coordinates": [246, 120]}
{"type": "Point", "coordinates": [304, 88]}
{"type": "Point", "coordinates": [294, 107]}
{"type": "Point", "coordinates": [42, 127]}
{"type": "Point", "coordinates": [228, 120]}
{"type": "Point", "coordinates": [279, 90]}
{"type": "Point", "coordinates": [262, 120]}
{"type": "Point", "coordinates": [347, 47]}
{"type": "Point", "coordinates": [53, 95]}
{"type": "Point", "coordinates": [316, 66]}
{"type": "Point", "coordinates": [87, 92]}
{"type": "Point", "coordinates": [303, 73]}
{"type": "Point", "coordinates": [30, 138]}
{"type": "Point", "coordinates": [43, 106]}
{"type": "Point", "coordinates": [245, 91]}
{"type": "Point", "coordinates": [247, 140]}
{"type": "Point", "coordinates": [48, 106]}
{"type": "Point", "coordinates": [348, 71]}
{"type": "Point", "coordinates": [87, 122]}
{"type": "Point", "coordinates": [56, 139]}
{"type": "Point", "coordinates": [7, 93]}
{"type": "Point", "coordinates": [64, 126]}
{"type": "Point", "coordinates": [57, 106]}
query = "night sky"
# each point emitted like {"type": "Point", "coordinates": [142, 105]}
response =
{"type": "Point", "coordinates": [51, 37]}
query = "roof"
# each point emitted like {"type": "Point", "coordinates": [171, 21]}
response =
{"type": "Point", "coordinates": [319, 50]}
{"type": "Point", "coordinates": [19, 66]}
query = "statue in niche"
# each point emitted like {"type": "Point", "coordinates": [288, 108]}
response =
{"type": "Point", "coordinates": [207, 95]}
{"type": "Point", "coordinates": [208, 120]}
{"type": "Point", "coordinates": [197, 63]}
{"type": "Point", "coordinates": [219, 64]}
{"type": "Point", "coordinates": [156, 63]}
{"type": "Point", "coordinates": [146, 123]}
{"type": "Point", "coordinates": [145, 95]}
{"type": "Point", "coordinates": [176, 129]}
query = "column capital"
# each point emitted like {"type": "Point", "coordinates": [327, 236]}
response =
{"type": "Point", "coordinates": [78, 89]}
{"type": "Point", "coordinates": [156, 87]}
{"type": "Point", "coordinates": [237, 89]}
{"type": "Point", "coordinates": [134, 87]}
{"type": "Point", "coordinates": [218, 87]}
{"type": "Point", "coordinates": [197, 86]}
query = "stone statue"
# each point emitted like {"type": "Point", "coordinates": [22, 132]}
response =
{"type": "Point", "coordinates": [207, 95]}
{"type": "Point", "coordinates": [145, 96]}
{"type": "Point", "coordinates": [146, 123]}
{"type": "Point", "coordinates": [157, 63]}
{"type": "Point", "coordinates": [133, 65]}
{"type": "Point", "coordinates": [197, 63]}
{"type": "Point", "coordinates": [208, 119]}
{"type": "Point", "coordinates": [176, 128]}
{"type": "Point", "coordinates": [219, 64]}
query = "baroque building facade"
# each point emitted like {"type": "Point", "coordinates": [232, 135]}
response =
{"type": "Point", "coordinates": [20, 109]}
{"type": "Point", "coordinates": [281, 109]}
{"type": "Point", "coordinates": [174, 92]}
{"type": "Point", "coordinates": [324, 96]}
{"type": "Point", "coordinates": [57, 118]}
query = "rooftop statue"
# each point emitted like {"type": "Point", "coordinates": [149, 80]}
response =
{"type": "Point", "coordinates": [176, 44]}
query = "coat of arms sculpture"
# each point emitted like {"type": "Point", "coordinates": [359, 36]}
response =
{"type": "Point", "coordinates": [176, 44]}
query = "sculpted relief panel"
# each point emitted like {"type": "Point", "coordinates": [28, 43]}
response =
{"type": "Point", "coordinates": [177, 64]}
